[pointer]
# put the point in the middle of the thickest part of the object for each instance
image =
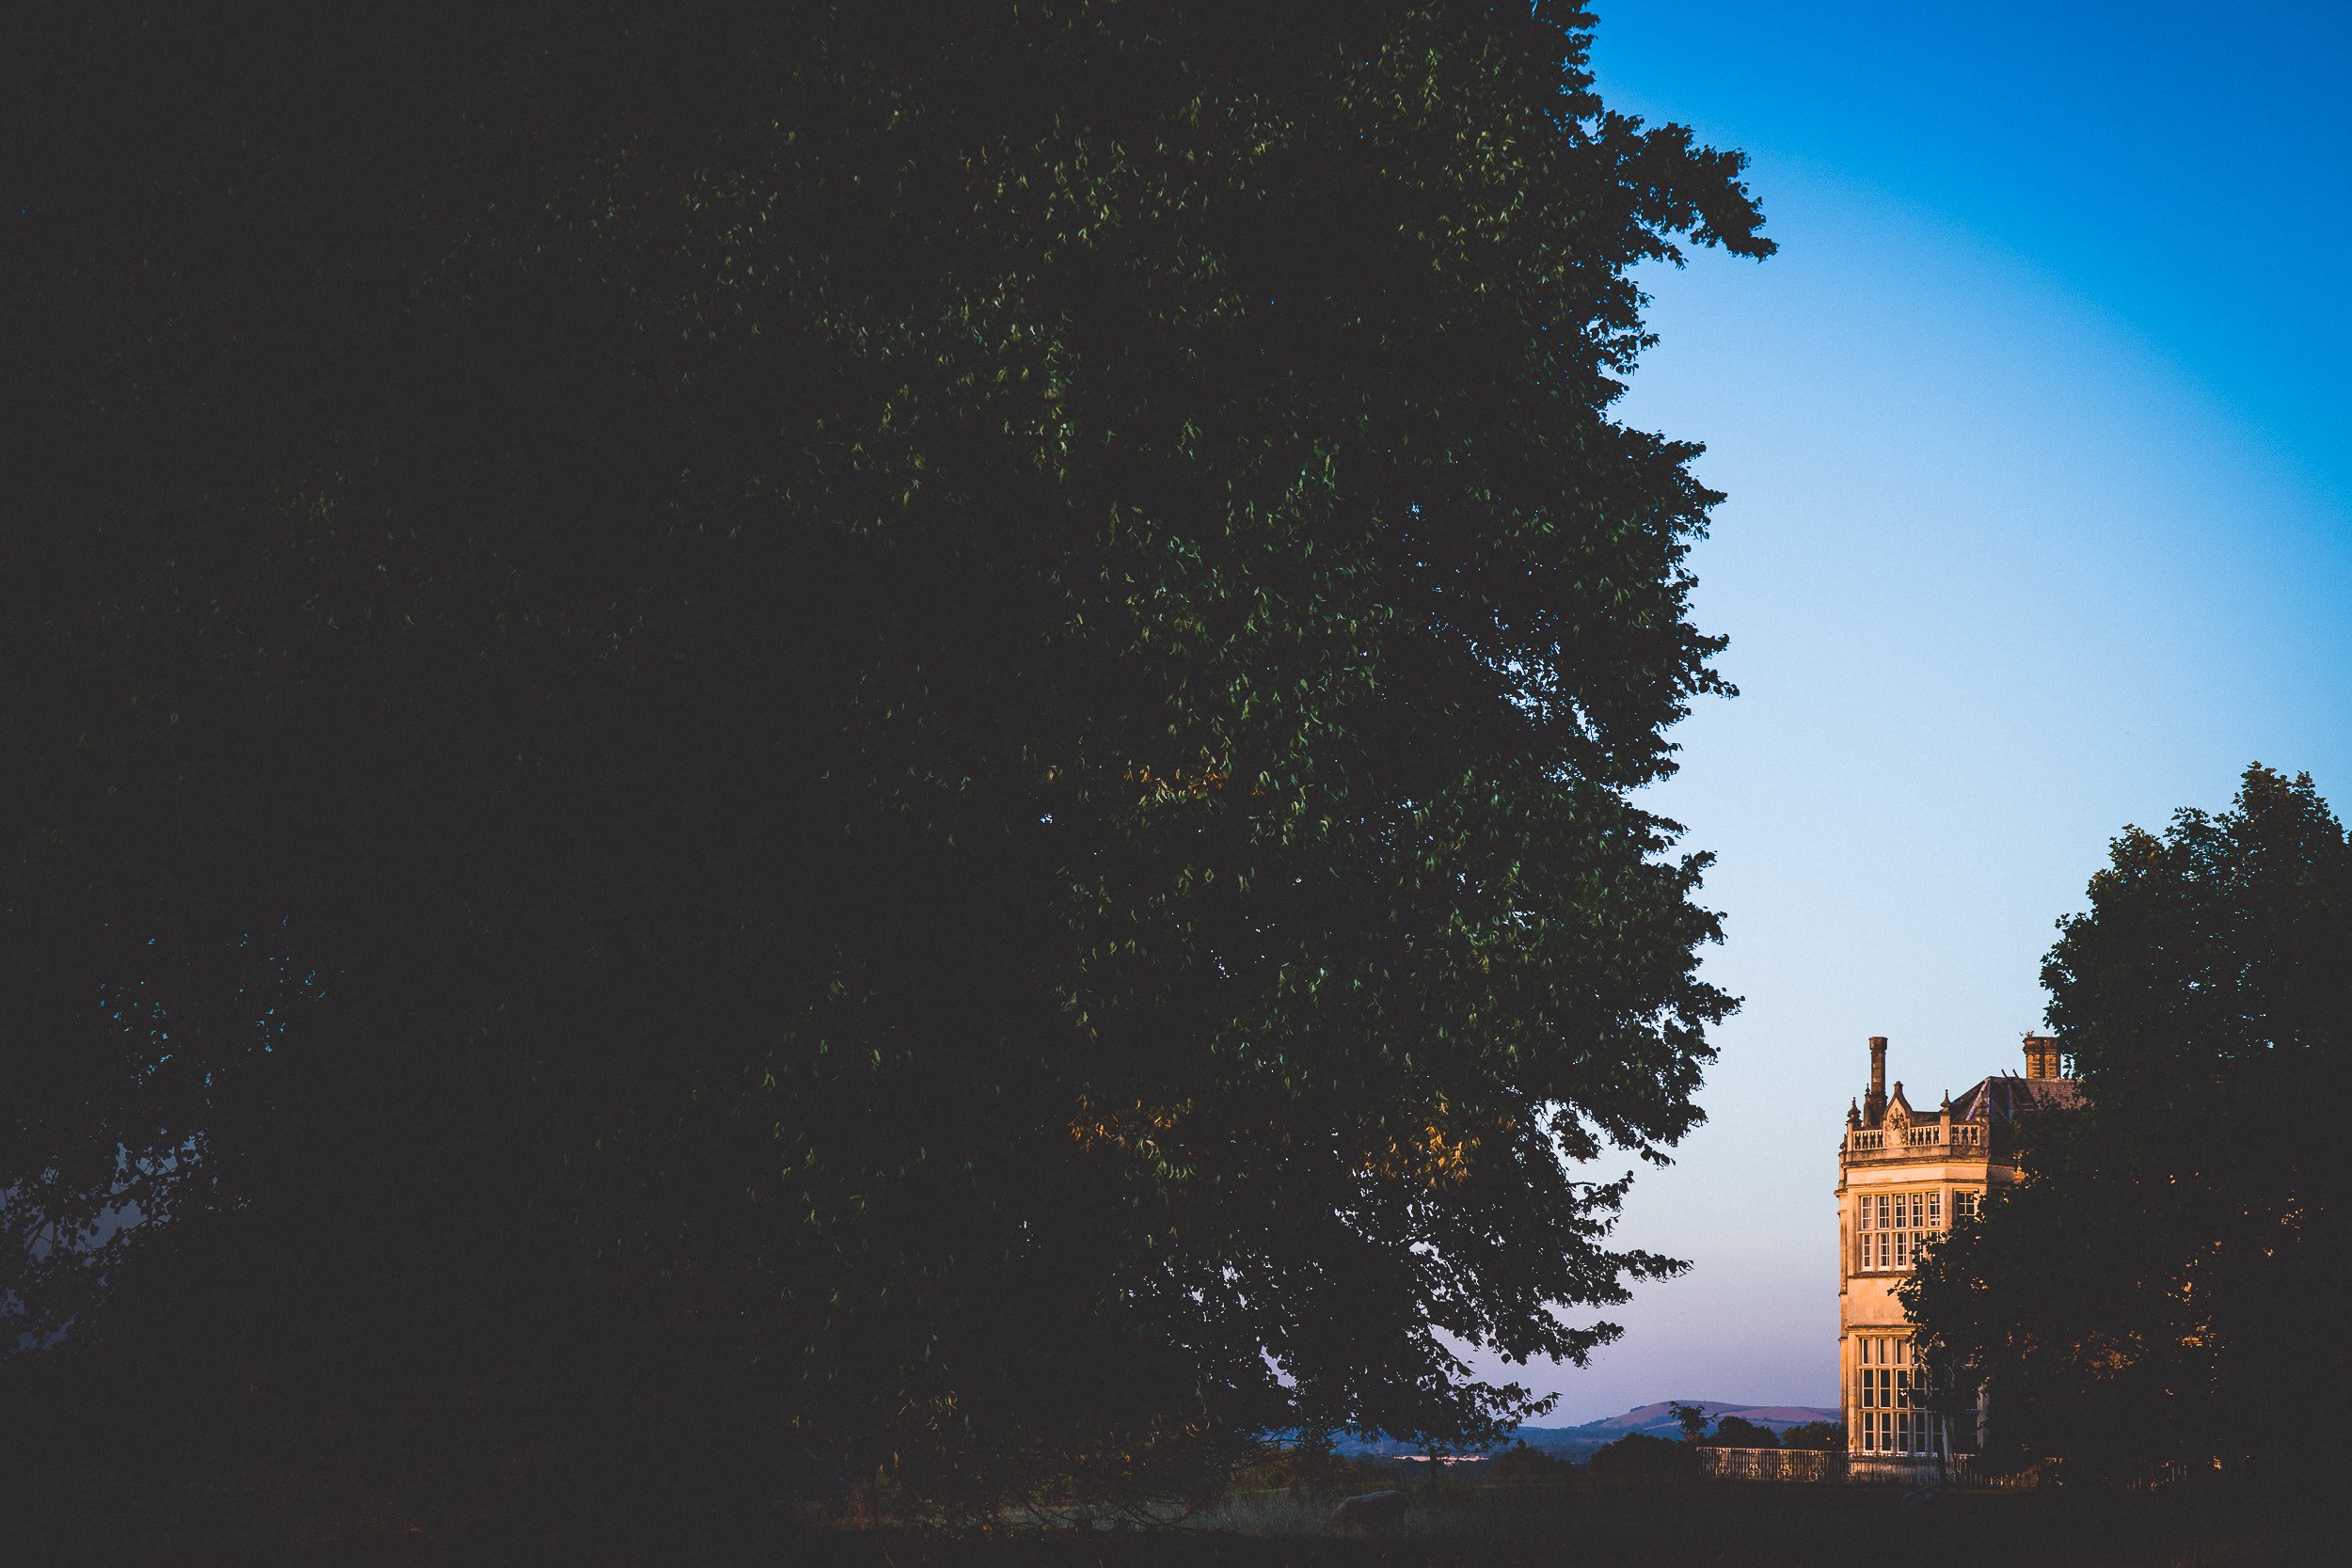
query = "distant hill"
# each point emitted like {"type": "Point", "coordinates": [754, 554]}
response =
{"type": "Point", "coordinates": [1656, 1421]}
{"type": "Point", "coordinates": [1650, 1416]}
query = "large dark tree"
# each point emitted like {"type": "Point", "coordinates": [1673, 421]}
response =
{"type": "Point", "coordinates": [2163, 1287]}
{"type": "Point", "coordinates": [785, 712]}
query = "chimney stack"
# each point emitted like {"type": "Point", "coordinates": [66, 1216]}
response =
{"type": "Point", "coordinates": [1874, 1104]}
{"type": "Point", "coordinates": [2042, 1057]}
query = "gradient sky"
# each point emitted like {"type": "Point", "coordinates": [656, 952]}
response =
{"type": "Point", "coordinates": [2040, 524]}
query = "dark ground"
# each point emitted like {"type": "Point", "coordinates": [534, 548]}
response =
{"type": "Point", "coordinates": [94, 1519]}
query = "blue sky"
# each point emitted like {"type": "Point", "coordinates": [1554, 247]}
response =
{"type": "Point", "coordinates": [2040, 524]}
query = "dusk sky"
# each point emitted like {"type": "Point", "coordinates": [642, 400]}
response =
{"type": "Point", "coordinates": [2040, 524]}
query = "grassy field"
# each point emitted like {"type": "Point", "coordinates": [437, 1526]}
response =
{"type": "Point", "coordinates": [87, 1520]}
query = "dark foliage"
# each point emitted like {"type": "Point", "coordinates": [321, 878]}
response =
{"type": "Point", "coordinates": [754, 717]}
{"type": "Point", "coordinates": [1637, 1453]}
{"type": "Point", "coordinates": [1732, 1432]}
{"type": "Point", "coordinates": [1520, 1461]}
{"type": "Point", "coordinates": [2161, 1292]}
{"type": "Point", "coordinates": [1820, 1436]}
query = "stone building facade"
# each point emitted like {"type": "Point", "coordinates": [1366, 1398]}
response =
{"type": "Point", "coordinates": [1904, 1175]}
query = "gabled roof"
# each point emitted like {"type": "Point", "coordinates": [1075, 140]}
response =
{"type": "Point", "coordinates": [2005, 1096]}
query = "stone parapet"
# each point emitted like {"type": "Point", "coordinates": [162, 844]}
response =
{"type": "Point", "coordinates": [1926, 1473]}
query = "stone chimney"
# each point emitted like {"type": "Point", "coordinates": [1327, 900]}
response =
{"type": "Point", "coordinates": [1874, 1104]}
{"type": "Point", "coordinates": [2042, 1057]}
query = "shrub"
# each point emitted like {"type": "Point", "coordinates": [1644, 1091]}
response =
{"type": "Point", "coordinates": [1520, 1461]}
{"type": "Point", "coordinates": [1734, 1432]}
{"type": "Point", "coordinates": [1639, 1453]}
{"type": "Point", "coordinates": [1825, 1437]}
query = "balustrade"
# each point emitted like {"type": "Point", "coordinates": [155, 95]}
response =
{"type": "Point", "coordinates": [1970, 1137]}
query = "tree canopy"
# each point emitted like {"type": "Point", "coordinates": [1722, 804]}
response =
{"type": "Point", "coordinates": [1823, 1437]}
{"type": "Point", "coordinates": [2161, 1288]}
{"type": "Point", "coordinates": [792, 714]}
{"type": "Point", "coordinates": [1640, 1453]}
{"type": "Point", "coordinates": [1738, 1431]}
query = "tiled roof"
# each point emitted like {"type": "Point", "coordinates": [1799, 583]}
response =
{"type": "Point", "coordinates": [2005, 1096]}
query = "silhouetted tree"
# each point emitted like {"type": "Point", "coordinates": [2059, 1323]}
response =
{"type": "Point", "coordinates": [1522, 1463]}
{"type": "Point", "coordinates": [1638, 1453]}
{"type": "Point", "coordinates": [788, 715]}
{"type": "Point", "coordinates": [2162, 1286]}
{"type": "Point", "coordinates": [1734, 1432]}
{"type": "Point", "coordinates": [1821, 1436]}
